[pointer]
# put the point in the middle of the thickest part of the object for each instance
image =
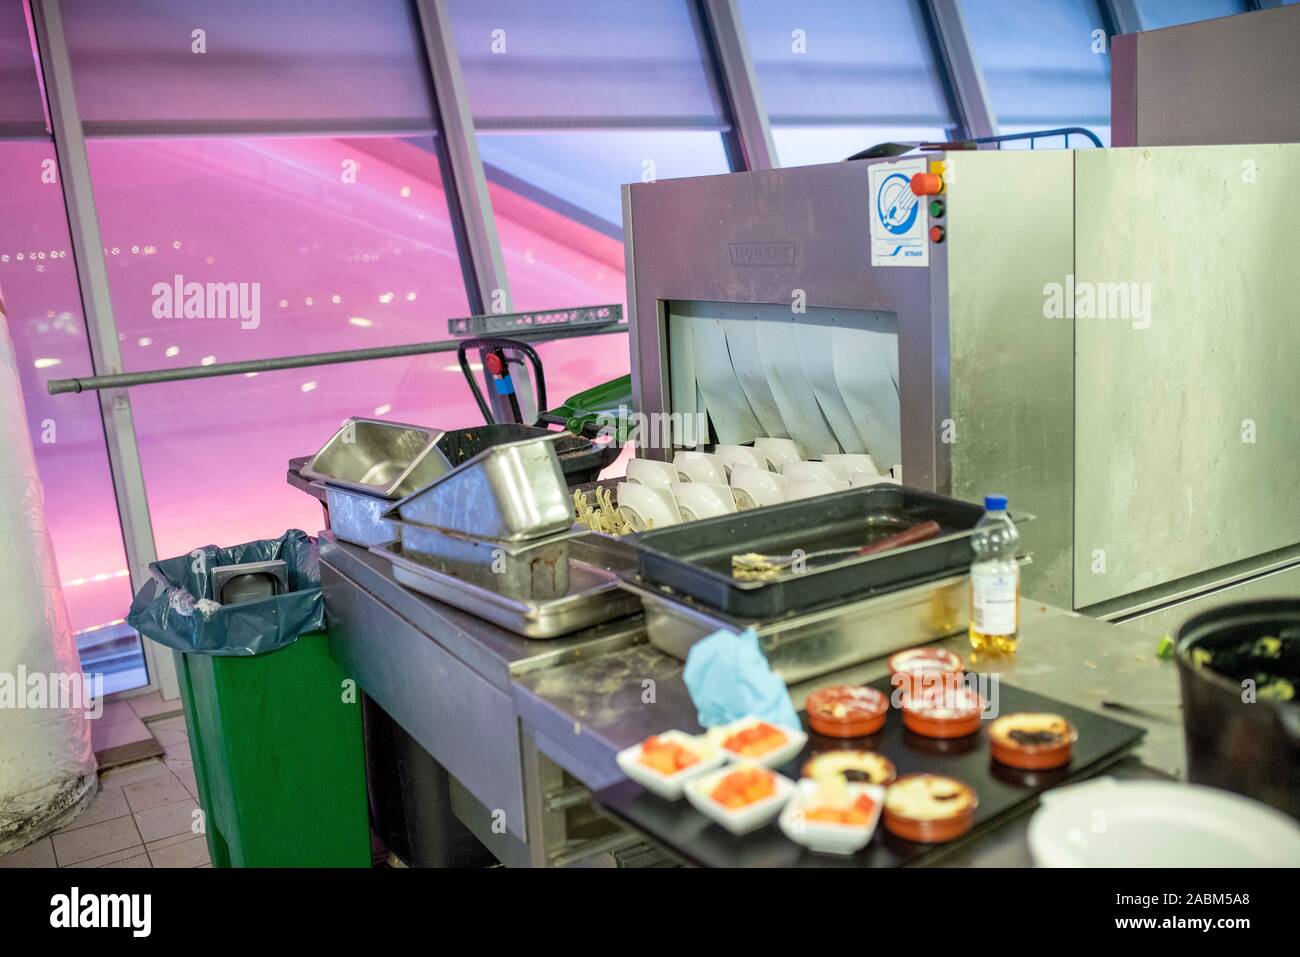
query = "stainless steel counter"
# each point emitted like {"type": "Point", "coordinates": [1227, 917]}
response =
{"type": "Point", "coordinates": [585, 713]}
{"type": "Point", "coordinates": [527, 727]}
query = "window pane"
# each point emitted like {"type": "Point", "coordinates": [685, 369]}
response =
{"type": "Point", "coordinates": [21, 113]}
{"type": "Point", "coordinates": [38, 283]}
{"type": "Point", "coordinates": [603, 63]}
{"type": "Point", "coordinates": [327, 244]}
{"type": "Point", "coordinates": [832, 87]}
{"type": "Point", "coordinates": [570, 102]}
{"type": "Point", "coordinates": [1155, 14]}
{"type": "Point", "coordinates": [327, 65]}
{"type": "Point", "coordinates": [1044, 63]}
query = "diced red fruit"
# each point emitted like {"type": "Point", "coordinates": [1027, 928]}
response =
{"type": "Point", "coordinates": [743, 787]}
{"type": "Point", "coordinates": [857, 814]}
{"type": "Point", "coordinates": [755, 741]}
{"type": "Point", "coordinates": [666, 757]}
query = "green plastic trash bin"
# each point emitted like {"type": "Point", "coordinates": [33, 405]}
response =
{"type": "Point", "coordinates": [278, 757]}
{"type": "Point", "coordinates": [274, 723]}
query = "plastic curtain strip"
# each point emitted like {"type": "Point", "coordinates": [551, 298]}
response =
{"type": "Point", "coordinates": [47, 764]}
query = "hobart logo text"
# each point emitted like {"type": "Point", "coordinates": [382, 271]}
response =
{"type": "Point", "coordinates": [102, 910]}
{"type": "Point", "coordinates": [762, 254]}
{"type": "Point", "coordinates": [179, 299]}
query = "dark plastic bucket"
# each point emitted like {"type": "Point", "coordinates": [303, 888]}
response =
{"type": "Point", "coordinates": [1236, 740]}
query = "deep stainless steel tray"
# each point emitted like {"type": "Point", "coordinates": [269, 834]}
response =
{"type": "Point", "coordinates": [533, 570]}
{"type": "Point", "coordinates": [593, 597]}
{"type": "Point", "coordinates": [357, 517]}
{"type": "Point", "coordinates": [694, 558]}
{"type": "Point", "coordinates": [803, 646]}
{"type": "Point", "coordinates": [507, 493]}
{"type": "Point", "coordinates": [388, 459]}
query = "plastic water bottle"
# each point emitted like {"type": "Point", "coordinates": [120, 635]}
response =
{"type": "Point", "coordinates": [995, 580]}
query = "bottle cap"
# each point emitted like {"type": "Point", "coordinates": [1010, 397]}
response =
{"type": "Point", "coordinates": [995, 503]}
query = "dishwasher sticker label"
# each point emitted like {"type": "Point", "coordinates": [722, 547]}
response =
{"type": "Point", "coordinates": [899, 219]}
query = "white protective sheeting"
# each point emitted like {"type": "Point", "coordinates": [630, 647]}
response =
{"type": "Point", "coordinates": [47, 765]}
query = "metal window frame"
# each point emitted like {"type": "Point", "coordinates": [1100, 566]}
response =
{"type": "Point", "coordinates": [738, 83]}
{"type": "Point", "coordinates": [473, 205]}
{"type": "Point", "coordinates": [1123, 15]}
{"type": "Point", "coordinates": [101, 328]}
{"type": "Point", "coordinates": [959, 65]}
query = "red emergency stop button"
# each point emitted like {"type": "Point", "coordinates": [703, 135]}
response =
{"type": "Point", "coordinates": [936, 234]}
{"type": "Point", "coordinates": [927, 184]}
{"type": "Point", "coordinates": [494, 364]}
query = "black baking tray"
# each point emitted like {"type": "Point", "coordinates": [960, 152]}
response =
{"type": "Point", "coordinates": [581, 459]}
{"type": "Point", "coordinates": [694, 558]}
{"type": "Point", "coordinates": [1003, 792]}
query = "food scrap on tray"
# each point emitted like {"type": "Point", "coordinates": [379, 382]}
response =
{"type": "Point", "coordinates": [603, 516]}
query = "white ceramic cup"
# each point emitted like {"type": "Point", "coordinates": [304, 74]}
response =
{"type": "Point", "coordinates": [703, 500]}
{"type": "Point", "coordinates": [756, 487]}
{"type": "Point", "coordinates": [811, 488]}
{"type": "Point", "coordinates": [651, 472]}
{"type": "Point", "coordinates": [700, 467]}
{"type": "Point", "coordinates": [776, 452]}
{"type": "Point", "coordinates": [733, 455]}
{"type": "Point", "coordinates": [810, 472]}
{"type": "Point", "coordinates": [647, 506]}
{"type": "Point", "coordinates": [850, 463]}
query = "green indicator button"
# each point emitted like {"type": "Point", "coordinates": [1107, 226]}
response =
{"type": "Point", "coordinates": [936, 207]}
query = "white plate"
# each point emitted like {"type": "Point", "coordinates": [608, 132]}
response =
{"type": "Point", "coordinates": [795, 740]}
{"type": "Point", "coordinates": [829, 838]}
{"type": "Point", "coordinates": [668, 786]}
{"type": "Point", "coordinates": [1107, 823]}
{"type": "Point", "coordinates": [749, 818]}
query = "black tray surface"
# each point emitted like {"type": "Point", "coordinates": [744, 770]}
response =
{"type": "Point", "coordinates": [1002, 791]}
{"type": "Point", "coordinates": [695, 558]}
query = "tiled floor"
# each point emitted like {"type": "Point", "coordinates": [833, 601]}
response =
{"type": "Point", "coordinates": [146, 813]}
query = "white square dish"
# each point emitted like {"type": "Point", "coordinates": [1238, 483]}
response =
{"type": "Point", "coordinates": [825, 837]}
{"type": "Point", "coordinates": [795, 740]}
{"type": "Point", "coordinates": [669, 786]}
{"type": "Point", "coordinates": [751, 817]}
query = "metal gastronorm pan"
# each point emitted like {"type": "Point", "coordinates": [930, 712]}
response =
{"type": "Point", "coordinates": [695, 558]}
{"type": "Point", "coordinates": [593, 596]}
{"type": "Point", "coordinates": [513, 492]}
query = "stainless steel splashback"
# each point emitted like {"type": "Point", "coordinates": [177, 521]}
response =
{"type": "Point", "coordinates": [1108, 336]}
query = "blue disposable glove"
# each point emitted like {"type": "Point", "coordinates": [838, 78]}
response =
{"type": "Point", "coordinates": [728, 678]}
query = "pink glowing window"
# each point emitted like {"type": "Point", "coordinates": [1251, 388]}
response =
{"type": "Point", "coordinates": [38, 283]}
{"type": "Point", "coordinates": [282, 67]}
{"type": "Point", "coordinates": [311, 245]}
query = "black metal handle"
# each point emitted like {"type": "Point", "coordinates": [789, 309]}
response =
{"type": "Point", "coordinates": [502, 344]}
